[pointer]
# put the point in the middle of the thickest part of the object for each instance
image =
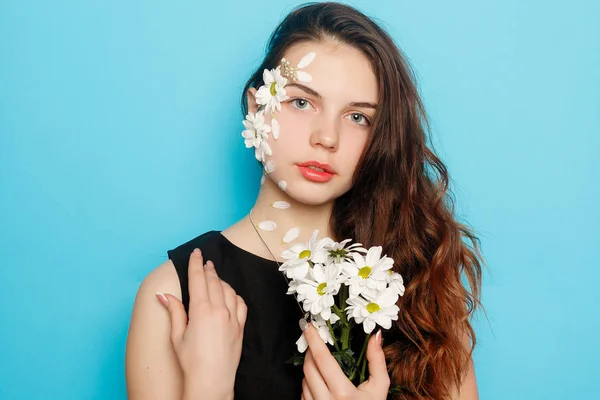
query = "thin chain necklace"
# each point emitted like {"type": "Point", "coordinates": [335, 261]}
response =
{"type": "Point", "coordinates": [304, 320]}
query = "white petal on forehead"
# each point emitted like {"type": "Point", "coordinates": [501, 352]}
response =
{"type": "Point", "coordinates": [304, 76]}
{"type": "Point", "coordinates": [275, 127]}
{"type": "Point", "coordinates": [267, 226]}
{"type": "Point", "coordinates": [291, 235]}
{"type": "Point", "coordinates": [282, 185]}
{"type": "Point", "coordinates": [307, 59]}
{"type": "Point", "coordinates": [281, 205]}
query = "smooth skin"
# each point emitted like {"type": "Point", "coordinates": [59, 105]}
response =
{"type": "Point", "coordinates": [205, 349]}
{"type": "Point", "coordinates": [325, 380]}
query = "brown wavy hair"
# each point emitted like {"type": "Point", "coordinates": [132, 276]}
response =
{"type": "Point", "coordinates": [402, 201]}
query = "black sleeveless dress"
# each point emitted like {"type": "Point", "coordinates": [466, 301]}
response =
{"type": "Point", "coordinates": [271, 328]}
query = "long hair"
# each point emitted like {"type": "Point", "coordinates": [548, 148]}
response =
{"type": "Point", "coordinates": [401, 200]}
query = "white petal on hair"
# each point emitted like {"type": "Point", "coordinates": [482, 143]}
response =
{"type": "Point", "coordinates": [281, 205]}
{"type": "Point", "coordinates": [291, 235]}
{"type": "Point", "coordinates": [304, 76]}
{"type": "Point", "coordinates": [282, 185]}
{"type": "Point", "coordinates": [307, 59]}
{"type": "Point", "coordinates": [267, 226]}
{"type": "Point", "coordinates": [269, 167]}
{"type": "Point", "coordinates": [275, 128]}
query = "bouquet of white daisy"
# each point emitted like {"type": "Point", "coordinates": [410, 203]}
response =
{"type": "Point", "coordinates": [344, 286]}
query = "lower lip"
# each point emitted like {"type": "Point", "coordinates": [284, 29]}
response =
{"type": "Point", "coordinates": [314, 175]}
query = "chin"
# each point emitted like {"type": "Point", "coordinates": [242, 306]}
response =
{"type": "Point", "coordinates": [315, 195]}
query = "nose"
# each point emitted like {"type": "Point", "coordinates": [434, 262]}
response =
{"type": "Point", "coordinates": [325, 133]}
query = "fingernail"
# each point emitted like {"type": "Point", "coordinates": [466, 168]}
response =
{"type": "Point", "coordinates": [378, 337]}
{"type": "Point", "coordinates": [197, 252]}
{"type": "Point", "coordinates": [303, 325]}
{"type": "Point", "coordinates": [210, 264]}
{"type": "Point", "coordinates": [163, 299]}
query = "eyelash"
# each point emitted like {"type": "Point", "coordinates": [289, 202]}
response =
{"type": "Point", "coordinates": [295, 100]}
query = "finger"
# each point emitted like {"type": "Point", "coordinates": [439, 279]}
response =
{"type": "Point", "coordinates": [230, 298]}
{"type": "Point", "coordinates": [325, 362]}
{"type": "Point", "coordinates": [177, 316]}
{"type": "Point", "coordinates": [306, 393]}
{"type": "Point", "coordinates": [215, 290]}
{"type": "Point", "coordinates": [313, 377]}
{"type": "Point", "coordinates": [378, 373]}
{"type": "Point", "coordinates": [197, 279]}
{"type": "Point", "coordinates": [242, 311]}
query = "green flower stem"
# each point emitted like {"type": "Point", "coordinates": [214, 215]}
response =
{"type": "Point", "coordinates": [364, 348]}
{"type": "Point", "coordinates": [335, 341]}
{"type": "Point", "coordinates": [362, 371]}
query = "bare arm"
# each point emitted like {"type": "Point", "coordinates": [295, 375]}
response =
{"type": "Point", "coordinates": [468, 388]}
{"type": "Point", "coordinates": [151, 366]}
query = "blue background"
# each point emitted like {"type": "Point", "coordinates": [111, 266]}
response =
{"type": "Point", "coordinates": [120, 139]}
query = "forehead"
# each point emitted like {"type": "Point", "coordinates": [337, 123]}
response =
{"type": "Point", "coordinates": [338, 70]}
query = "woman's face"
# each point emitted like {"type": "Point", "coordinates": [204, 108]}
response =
{"type": "Point", "coordinates": [327, 121]}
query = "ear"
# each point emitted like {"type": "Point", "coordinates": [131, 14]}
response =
{"type": "Point", "coordinates": [251, 100]}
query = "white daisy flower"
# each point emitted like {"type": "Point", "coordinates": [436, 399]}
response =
{"type": "Point", "coordinates": [272, 93]}
{"type": "Point", "coordinates": [395, 281]}
{"type": "Point", "coordinates": [367, 272]}
{"type": "Point", "coordinates": [338, 252]}
{"type": "Point", "coordinates": [321, 325]}
{"type": "Point", "coordinates": [318, 288]}
{"type": "Point", "coordinates": [301, 256]}
{"type": "Point", "coordinates": [256, 135]}
{"type": "Point", "coordinates": [380, 310]}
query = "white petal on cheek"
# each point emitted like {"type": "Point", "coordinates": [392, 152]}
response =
{"type": "Point", "coordinates": [291, 235]}
{"type": "Point", "coordinates": [275, 127]}
{"type": "Point", "coordinates": [269, 167]}
{"type": "Point", "coordinates": [262, 179]}
{"type": "Point", "coordinates": [282, 185]}
{"type": "Point", "coordinates": [268, 226]}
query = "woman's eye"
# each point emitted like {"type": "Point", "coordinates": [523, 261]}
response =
{"type": "Point", "coordinates": [359, 119]}
{"type": "Point", "coordinates": [301, 104]}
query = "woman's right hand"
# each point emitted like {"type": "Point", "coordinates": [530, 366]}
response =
{"type": "Point", "coordinates": [208, 344]}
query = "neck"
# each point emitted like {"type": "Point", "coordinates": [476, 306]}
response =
{"type": "Point", "coordinates": [305, 217]}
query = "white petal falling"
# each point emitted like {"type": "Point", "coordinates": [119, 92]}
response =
{"type": "Point", "coordinates": [268, 226]}
{"type": "Point", "coordinates": [269, 167]}
{"type": "Point", "coordinates": [281, 205]}
{"type": "Point", "coordinates": [291, 235]}
{"type": "Point", "coordinates": [282, 185]}
{"type": "Point", "coordinates": [307, 59]}
{"type": "Point", "coordinates": [304, 76]}
{"type": "Point", "coordinates": [275, 128]}
{"type": "Point", "coordinates": [262, 180]}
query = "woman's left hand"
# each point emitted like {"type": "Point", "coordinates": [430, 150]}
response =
{"type": "Point", "coordinates": [325, 380]}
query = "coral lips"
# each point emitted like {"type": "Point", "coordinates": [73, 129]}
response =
{"type": "Point", "coordinates": [315, 171]}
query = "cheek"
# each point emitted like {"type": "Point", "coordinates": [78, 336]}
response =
{"type": "Point", "coordinates": [294, 133]}
{"type": "Point", "coordinates": [353, 147]}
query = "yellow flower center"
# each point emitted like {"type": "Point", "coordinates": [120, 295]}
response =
{"type": "Point", "coordinates": [321, 289]}
{"type": "Point", "coordinates": [373, 307]}
{"type": "Point", "coordinates": [304, 254]}
{"type": "Point", "coordinates": [364, 272]}
{"type": "Point", "coordinates": [273, 88]}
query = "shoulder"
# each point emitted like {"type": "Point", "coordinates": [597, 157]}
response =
{"type": "Point", "coordinates": [151, 366]}
{"type": "Point", "coordinates": [207, 242]}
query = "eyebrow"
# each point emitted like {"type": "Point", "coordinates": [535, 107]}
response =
{"type": "Point", "coordinates": [360, 104]}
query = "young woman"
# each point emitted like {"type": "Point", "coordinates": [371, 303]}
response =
{"type": "Point", "coordinates": [335, 119]}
